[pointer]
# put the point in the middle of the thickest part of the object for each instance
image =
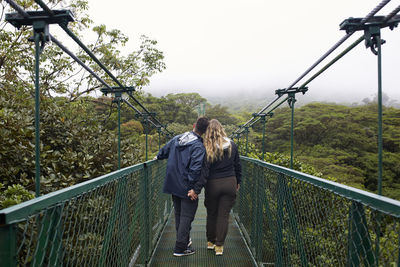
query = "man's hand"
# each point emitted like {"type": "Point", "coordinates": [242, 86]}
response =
{"type": "Point", "coordinates": [155, 157]}
{"type": "Point", "coordinates": [192, 194]}
{"type": "Point", "coordinates": [238, 187]}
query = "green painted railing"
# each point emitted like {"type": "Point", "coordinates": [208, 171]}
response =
{"type": "Point", "coordinates": [294, 219]}
{"type": "Point", "coordinates": [288, 218]}
{"type": "Point", "coordinates": [113, 220]}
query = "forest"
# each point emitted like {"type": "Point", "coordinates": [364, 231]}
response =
{"type": "Point", "coordinates": [79, 129]}
{"type": "Point", "coordinates": [79, 140]}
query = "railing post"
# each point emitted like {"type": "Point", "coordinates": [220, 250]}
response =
{"type": "Point", "coordinates": [119, 132]}
{"type": "Point", "coordinates": [380, 150]}
{"type": "Point", "coordinates": [263, 137]}
{"type": "Point", "coordinates": [8, 247]}
{"type": "Point", "coordinates": [145, 233]}
{"type": "Point", "coordinates": [247, 140]}
{"type": "Point", "coordinates": [159, 138]}
{"type": "Point", "coordinates": [291, 101]}
{"type": "Point", "coordinates": [147, 136]}
{"type": "Point", "coordinates": [238, 142]}
{"type": "Point", "coordinates": [253, 233]}
{"type": "Point", "coordinates": [38, 27]}
{"type": "Point", "coordinates": [372, 36]}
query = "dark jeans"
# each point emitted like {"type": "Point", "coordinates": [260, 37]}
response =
{"type": "Point", "coordinates": [220, 196]}
{"type": "Point", "coordinates": [185, 210]}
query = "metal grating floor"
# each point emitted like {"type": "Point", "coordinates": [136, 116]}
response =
{"type": "Point", "coordinates": [235, 250]}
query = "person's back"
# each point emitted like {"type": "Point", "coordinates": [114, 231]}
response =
{"type": "Point", "coordinates": [222, 171]}
{"type": "Point", "coordinates": [228, 165]}
{"type": "Point", "coordinates": [185, 154]}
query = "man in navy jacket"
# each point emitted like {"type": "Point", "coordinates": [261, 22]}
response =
{"type": "Point", "coordinates": [185, 154]}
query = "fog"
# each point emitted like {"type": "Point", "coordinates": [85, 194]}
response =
{"type": "Point", "coordinates": [250, 48]}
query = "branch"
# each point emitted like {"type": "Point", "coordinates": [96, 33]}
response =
{"type": "Point", "coordinates": [73, 98]}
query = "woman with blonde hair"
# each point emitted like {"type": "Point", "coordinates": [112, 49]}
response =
{"type": "Point", "coordinates": [222, 171]}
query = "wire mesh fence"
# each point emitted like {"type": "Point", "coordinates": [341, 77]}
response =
{"type": "Point", "coordinates": [113, 220]}
{"type": "Point", "coordinates": [293, 219]}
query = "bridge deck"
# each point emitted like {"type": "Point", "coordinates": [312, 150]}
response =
{"type": "Point", "coordinates": [235, 250]}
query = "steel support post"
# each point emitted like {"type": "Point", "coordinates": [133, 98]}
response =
{"type": "Point", "coordinates": [291, 102]}
{"type": "Point", "coordinates": [119, 132]}
{"type": "Point", "coordinates": [238, 143]}
{"type": "Point", "coordinates": [380, 149]}
{"type": "Point", "coordinates": [263, 137]}
{"type": "Point", "coordinates": [291, 92]}
{"type": "Point", "coordinates": [36, 36]}
{"type": "Point", "coordinates": [159, 138]}
{"type": "Point", "coordinates": [247, 140]}
{"type": "Point", "coordinates": [147, 136]}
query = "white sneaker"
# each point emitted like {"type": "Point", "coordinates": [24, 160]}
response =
{"type": "Point", "coordinates": [210, 245]}
{"type": "Point", "coordinates": [219, 250]}
{"type": "Point", "coordinates": [187, 252]}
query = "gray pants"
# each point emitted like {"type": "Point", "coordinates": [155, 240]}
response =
{"type": "Point", "coordinates": [220, 196]}
{"type": "Point", "coordinates": [185, 210]}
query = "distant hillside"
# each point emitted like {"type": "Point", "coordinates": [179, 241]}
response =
{"type": "Point", "coordinates": [340, 141]}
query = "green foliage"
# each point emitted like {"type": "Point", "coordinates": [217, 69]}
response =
{"type": "Point", "coordinates": [14, 194]}
{"type": "Point", "coordinates": [220, 113]}
{"type": "Point", "coordinates": [281, 160]}
{"type": "Point", "coordinates": [340, 142]}
{"type": "Point", "coordinates": [78, 134]}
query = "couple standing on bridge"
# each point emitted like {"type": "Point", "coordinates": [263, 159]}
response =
{"type": "Point", "coordinates": [194, 163]}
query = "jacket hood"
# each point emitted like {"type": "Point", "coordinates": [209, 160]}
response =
{"type": "Point", "coordinates": [187, 138]}
{"type": "Point", "coordinates": [226, 144]}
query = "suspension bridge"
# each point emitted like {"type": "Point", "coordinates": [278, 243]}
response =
{"type": "Point", "coordinates": [282, 217]}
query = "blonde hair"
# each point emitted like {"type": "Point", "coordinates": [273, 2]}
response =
{"type": "Point", "coordinates": [214, 140]}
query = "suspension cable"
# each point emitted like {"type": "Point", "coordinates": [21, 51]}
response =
{"type": "Point", "coordinates": [333, 48]}
{"type": "Point", "coordinates": [92, 55]}
{"type": "Point", "coordinates": [392, 14]}
{"type": "Point", "coordinates": [359, 40]}
{"type": "Point", "coordinates": [68, 52]}
{"type": "Point", "coordinates": [25, 14]}
{"type": "Point", "coordinates": [341, 41]}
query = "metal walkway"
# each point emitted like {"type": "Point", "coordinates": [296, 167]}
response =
{"type": "Point", "coordinates": [236, 252]}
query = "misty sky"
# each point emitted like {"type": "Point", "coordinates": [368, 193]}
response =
{"type": "Point", "coordinates": [236, 47]}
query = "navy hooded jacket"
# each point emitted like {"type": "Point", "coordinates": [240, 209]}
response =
{"type": "Point", "coordinates": [185, 154]}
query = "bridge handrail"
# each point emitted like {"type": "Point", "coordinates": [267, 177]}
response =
{"type": "Point", "coordinates": [115, 217]}
{"type": "Point", "coordinates": [21, 211]}
{"type": "Point", "coordinates": [383, 204]}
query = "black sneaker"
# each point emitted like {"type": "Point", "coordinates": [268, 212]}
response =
{"type": "Point", "coordinates": [186, 252]}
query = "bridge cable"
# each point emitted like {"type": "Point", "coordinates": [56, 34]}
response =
{"type": "Point", "coordinates": [333, 48]}
{"type": "Point", "coordinates": [23, 13]}
{"type": "Point", "coordinates": [91, 54]}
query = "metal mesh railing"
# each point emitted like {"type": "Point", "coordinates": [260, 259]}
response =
{"type": "Point", "coordinates": [293, 219]}
{"type": "Point", "coordinates": [113, 220]}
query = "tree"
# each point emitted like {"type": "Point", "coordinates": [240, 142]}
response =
{"type": "Point", "coordinates": [220, 113]}
{"type": "Point", "coordinates": [78, 139]}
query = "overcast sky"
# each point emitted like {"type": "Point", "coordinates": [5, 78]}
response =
{"type": "Point", "coordinates": [231, 47]}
